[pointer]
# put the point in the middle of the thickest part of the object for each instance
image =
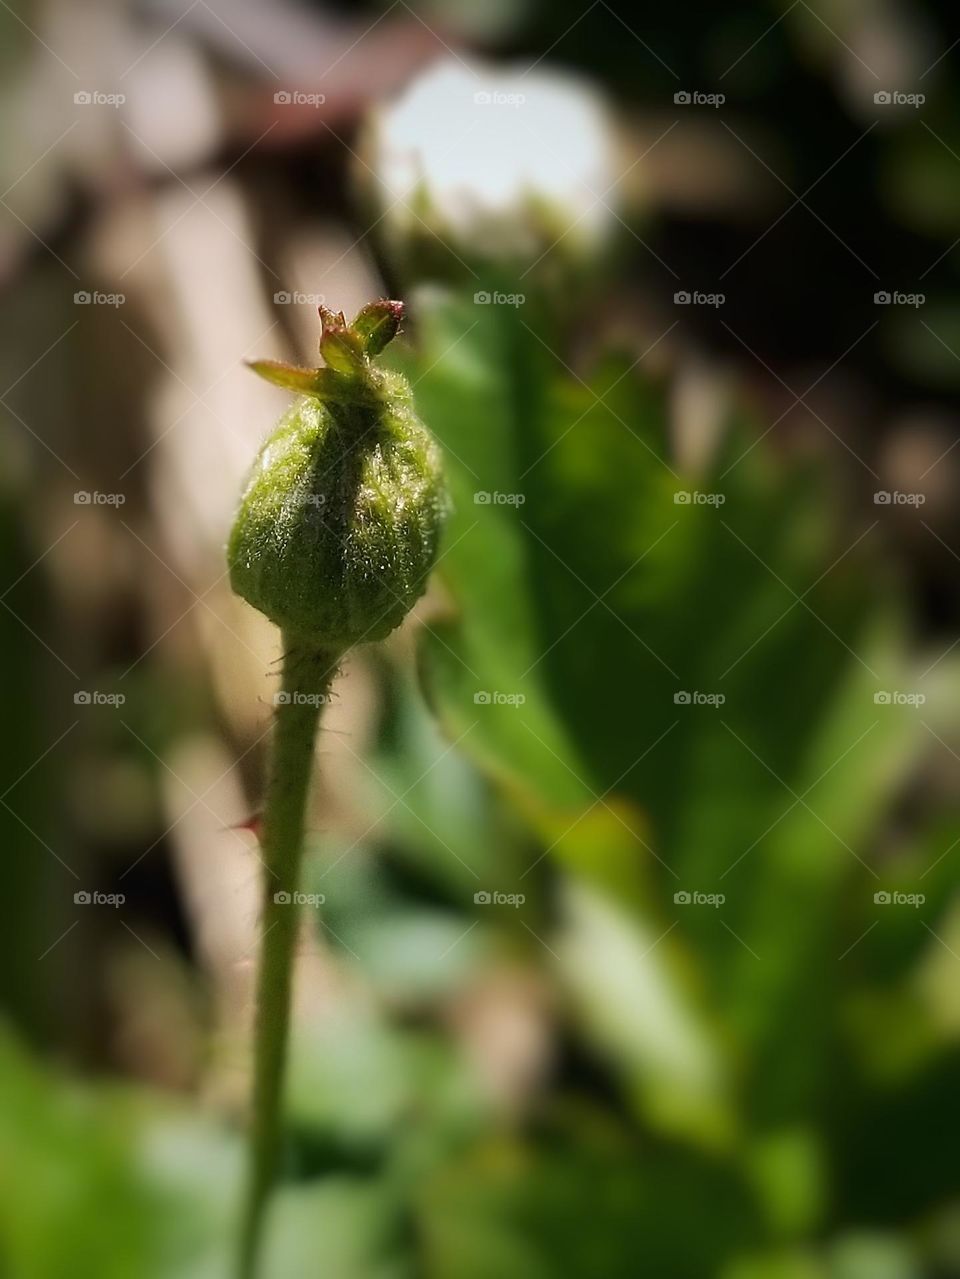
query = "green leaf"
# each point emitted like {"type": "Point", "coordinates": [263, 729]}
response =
{"type": "Point", "coordinates": [585, 595]}
{"type": "Point", "coordinates": [289, 376]}
{"type": "Point", "coordinates": [585, 1201]}
{"type": "Point", "coordinates": [104, 1183]}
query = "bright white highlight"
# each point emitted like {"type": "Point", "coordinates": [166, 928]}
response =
{"type": "Point", "coordinates": [505, 162]}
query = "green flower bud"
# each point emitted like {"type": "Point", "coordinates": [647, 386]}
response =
{"type": "Point", "coordinates": [339, 524]}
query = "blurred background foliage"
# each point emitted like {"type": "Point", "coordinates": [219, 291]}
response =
{"type": "Point", "coordinates": [521, 1049]}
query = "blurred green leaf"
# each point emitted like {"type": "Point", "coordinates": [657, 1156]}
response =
{"type": "Point", "coordinates": [585, 1201]}
{"type": "Point", "coordinates": [572, 539]}
{"type": "Point", "coordinates": [98, 1183]}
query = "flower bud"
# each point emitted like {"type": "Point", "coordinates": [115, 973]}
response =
{"type": "Point", "coordinates": [339, 524]}
{"type": "Point", "coordinates": [483, 165]}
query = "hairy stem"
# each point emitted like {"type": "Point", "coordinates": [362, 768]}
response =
{"type": "Point", "coordinates": [307, 675]}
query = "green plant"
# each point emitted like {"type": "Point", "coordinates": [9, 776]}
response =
{"type": "Point", "coordinates": [335, 536]}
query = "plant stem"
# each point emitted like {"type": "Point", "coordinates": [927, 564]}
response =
{"type": "Point", "coordinates": [307, 676]}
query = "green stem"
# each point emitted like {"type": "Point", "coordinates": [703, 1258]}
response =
{"type": "Point", "coordinates": [307, 675]}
